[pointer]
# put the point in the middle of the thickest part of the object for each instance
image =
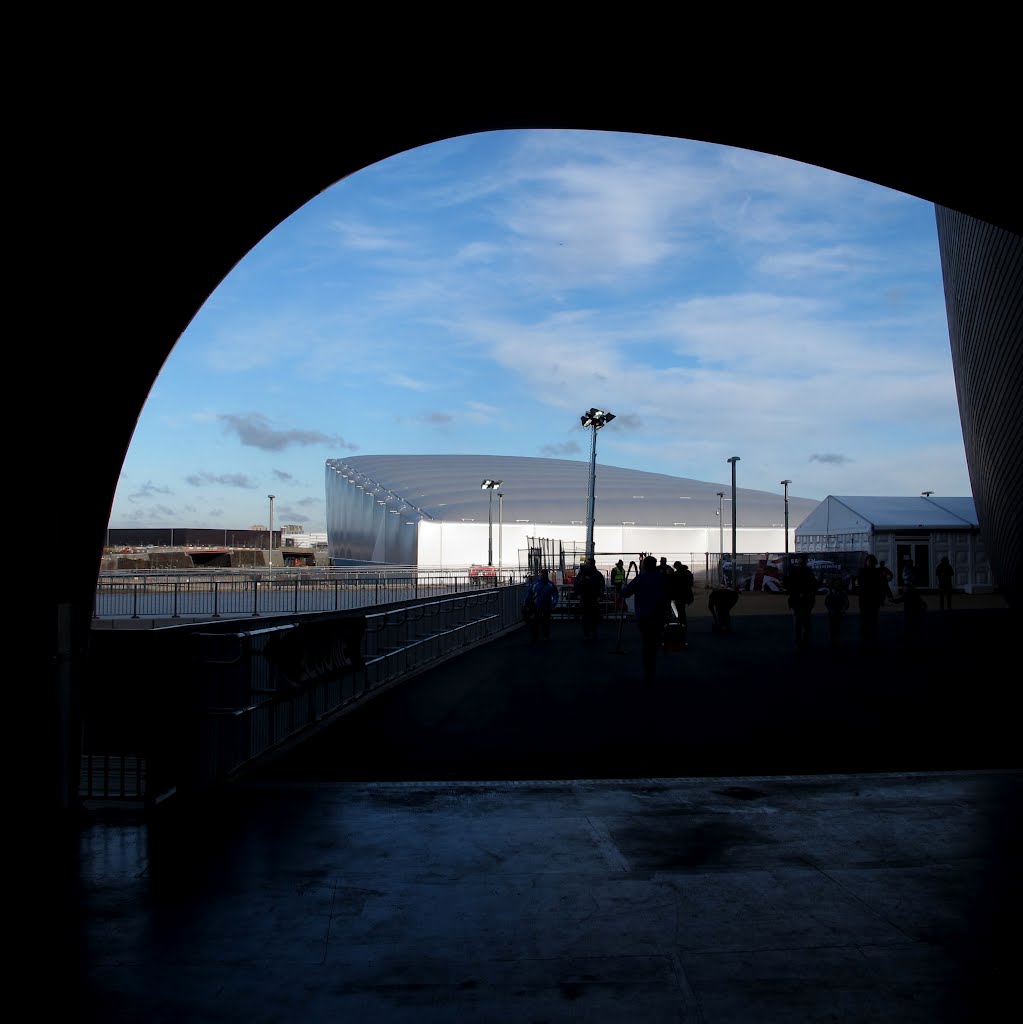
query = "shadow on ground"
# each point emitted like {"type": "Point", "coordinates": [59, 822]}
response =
{"type": "Point", "coordinates": [744, 704]}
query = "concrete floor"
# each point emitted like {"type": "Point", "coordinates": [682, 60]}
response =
{"type": "Point", "coordinates": [527, 834]}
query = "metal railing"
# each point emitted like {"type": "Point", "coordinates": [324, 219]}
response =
{"type": "Point", "coordinates": [226, 593]}
{"type": "Point", "coordinates": [213, 594]}
{"type": "Point", "coordinates": [248, 692]}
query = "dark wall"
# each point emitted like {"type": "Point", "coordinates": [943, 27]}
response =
{"type": "Point", "coordinates": [982, 266]}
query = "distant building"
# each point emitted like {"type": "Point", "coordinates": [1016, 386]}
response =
{"type": "Point", "coordinates": [191, 537]}
{"type": "Point", "coordinates": [431, 511]}
{"type": "Point", "coordinates": [924, 529]}
{"type": "Point", "coordinates": [292, 538]}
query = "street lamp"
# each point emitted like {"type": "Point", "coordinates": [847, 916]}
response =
{"type": "Point", "coordinates": [270, 552]}
{"type": "Point", "coordinates": [785, 484]}
{"type": "Point", "coordinates": [491, 486]}
{"type": "Point", "coordinates": [735, 551]}
{"type": "Point", "coordinates": [500, 530]}
{"type": "Point", "coordinates": [595, 418]}
{"type": "Point", "coordinates": [721, 536]}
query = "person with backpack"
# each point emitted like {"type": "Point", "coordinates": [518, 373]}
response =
{"type": "Point", "coordinates": [542, 599]}
{"type": "Point", "coordinates": [652, 609]}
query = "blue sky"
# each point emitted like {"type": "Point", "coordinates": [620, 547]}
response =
{"type": "Point", "coordinates": [477, 295]}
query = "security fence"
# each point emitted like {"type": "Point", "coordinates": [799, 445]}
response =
{"type": "Point", "coordinates": [226, 593]}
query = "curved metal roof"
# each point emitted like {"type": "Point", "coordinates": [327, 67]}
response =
{"type": "Point", "coordinates": [934, 513]}
{"type": "Point", "coordinates": [448, 487]}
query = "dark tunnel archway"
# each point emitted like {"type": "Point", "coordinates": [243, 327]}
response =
{"type": "Point", "coordinates": [176, 202]}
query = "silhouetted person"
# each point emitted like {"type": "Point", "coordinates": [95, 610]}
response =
{"type": "Point", "coordinates": [802, 586]}
{"type": "Point", "coordinates": [836, 601]}
{"type": "Point", "coordinates": [945, 573]}
{"type": "Point", "coordinates": [589, 589]}
{"type": "Point", "coordinates": [682, 582]}
{"type": "Point", "coordinates": [618, 575]}
{"type": "Point", "coordinates": [650, 589]}
{"type": "Point", "coordinates": [870, 591]}
{"type": "Point", "coordinates": [545, 600]}
{"type": "Point", "coordinates": [907, 573]}
{"type": "Point", "coordinates": [720, 603]}
{"type": "Point", "coordinates": [888, 576]}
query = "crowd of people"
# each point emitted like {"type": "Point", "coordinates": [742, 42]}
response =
{"type": "Point", "coordinates": [656, 596]}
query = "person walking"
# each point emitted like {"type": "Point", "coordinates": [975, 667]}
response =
{"type": "Point", "coordinates": [682, 583]}
{"type": "Point", "coordinates": [544, 596]}
{"type": "Point", "coordinates": [589, 590]}
{"type": "Point", "coordinates": [888, 576]}
{"type": "Point", "coordinates": [802, 586]}
{"type": "Point", "coordinates": [945, 574]}
{"type": "Point", "coordinates": [836, 601]}
{"type": "Point", "coordinates": [871, 587]}
{"type": "Point", "coordinates": [652, 608]}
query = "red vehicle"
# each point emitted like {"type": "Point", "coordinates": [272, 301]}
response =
{"type": "Point", "coordinates": [481, 574]}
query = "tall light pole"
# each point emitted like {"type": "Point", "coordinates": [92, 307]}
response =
{"type": "Point", "coordinates": [785, 484]}
{"type": "Point", "coordinates": [500, 530]}
{"type": "Point", "coordinates": [595, 418]}
{"type": "Point", "coordinates": [491, 486]}
{"type": "Point", "coordinates": [270, 552]}
{"type": "Point", "coordinates": [735, 553]}
{"type": "Point", "coordinates": [721, 535]}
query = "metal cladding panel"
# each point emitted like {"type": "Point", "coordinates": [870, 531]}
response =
{"type": "Point", "coordinates": [554, 491]}
{"type": "Point", "coordinates": [982, 270]}
{"type": "Point", "coordinates": [360, 528]}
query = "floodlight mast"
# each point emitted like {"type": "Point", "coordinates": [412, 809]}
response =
{"type": "Point", "coordinates": [500, 531]}
{"type": "Point", "coordinates": [595, 419]}
{"type": "Point", "coordinates": [491, 486]}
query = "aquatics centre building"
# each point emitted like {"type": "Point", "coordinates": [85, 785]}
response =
{"type": "Point", "coordinates": [434, 511]}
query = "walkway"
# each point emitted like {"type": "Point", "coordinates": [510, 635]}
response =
{"type": "Point", "coordinates": [526, 833]}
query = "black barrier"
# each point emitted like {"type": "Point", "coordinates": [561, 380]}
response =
{"type": "Point", "coordinates": [313, 652]}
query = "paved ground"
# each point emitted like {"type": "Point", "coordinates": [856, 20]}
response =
{"type": "Point", "coordinates": [526, 833]}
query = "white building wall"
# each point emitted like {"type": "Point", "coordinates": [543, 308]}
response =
{"type": "Point", "coordinates": [457, 545]}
